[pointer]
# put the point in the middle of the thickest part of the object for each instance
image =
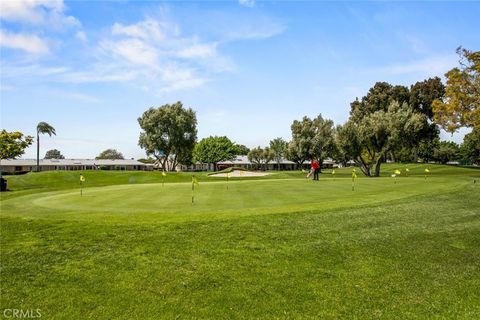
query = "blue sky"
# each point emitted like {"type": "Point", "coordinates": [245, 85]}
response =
{"type": "Point", "coordinates": [248, 68]}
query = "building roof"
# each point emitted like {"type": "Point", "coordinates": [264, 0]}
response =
{"type": "Point", "coordinates": [244, 160]}
{"type": "Point", "coordinates": [72, 162]}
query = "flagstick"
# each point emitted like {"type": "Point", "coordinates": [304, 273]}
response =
{"type": "Point", "coordinates": [193, 189]}
{"type": "Point", "coordinates": [81, 188]}
{"type": "Point", "coordinates": [227, 181]}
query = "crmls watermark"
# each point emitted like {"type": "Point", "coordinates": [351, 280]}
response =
{"type": "Point", "coordinates": [22, 314]}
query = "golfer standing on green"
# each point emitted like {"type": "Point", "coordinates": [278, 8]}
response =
{"type": "Point", "coordinates": [315, 168]}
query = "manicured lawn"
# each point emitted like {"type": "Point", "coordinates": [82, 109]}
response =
{"type": "Point", "coordinates": [274, 247]}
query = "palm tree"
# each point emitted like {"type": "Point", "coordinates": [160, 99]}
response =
{"type": "Point", "coordinates": [43, 128]}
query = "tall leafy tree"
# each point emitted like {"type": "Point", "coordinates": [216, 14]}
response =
{"type": "Point", "coordinates": [111, 154]}
{"type": "Point", "coordinates": [471, 146]}
{"type": "Point", "coordinates": [54, 154]}
{"type": "Point", "coordinates": [312, 139]}
{"type": "Point", "coordinates": [13, 144]}
{"type": "Point", "coordinates": [169, 134]}
{"type": "Point", "coordinates": [261, 157]}
{"type": "Point", "coordinates": [279, 148]}
{"type": "Point", "coordinates": [423, 93]}
{"type": "Point", "coordinates": [369, 139]}
{"type": "Point", "coordinates": [446, 151]}
{"type": "Point", "coordinates": [255, 156]}
{"type": "Point", "coordinates": [43, 128]}
{"type": "Point", "coordinates": [460, 106]}
{"type": "Point", "coordinates": [242, 150]}
{"type": "Point", "coordinates": [213, 150]}
{"type": "Point", "coordinates": [379, 98]}
{"type": "Point", "coordinates": [426, 149]}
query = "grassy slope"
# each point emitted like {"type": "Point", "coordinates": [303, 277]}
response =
{"type": "Point", "coordinates": [414, 252]}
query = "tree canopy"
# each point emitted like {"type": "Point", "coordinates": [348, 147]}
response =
{"type": "Point", "coordinates": [423, 93]}
{"type": "Point", "coordinates": [110, 154]}
{"type": "Point", "coordinates": [242, 150]}
{"type": "Point", "coordinates": [279, 149]}
{"type": "Point", "coordinates": [214, 149]}
{"type": "Point", "coordinates": [261, 157]}
{"type": "Point", "coordinates": [368, 140]}
{"type": "Point", "coordinates": [13, 144]}
{"type": "Point", "coordinates": [312, 139]}
{"type": "Point", "coordinates": [54, 154]}
{"type": "Point", "coordinates": [461, 105]}
{"type": "Point", "coordinates": [43, 128]}
{"type": "Point", "coordinates": [471, 146]}
{"type": "Point", "coordinates": [379, 98]}
{"type": "Point", "coordinates": [169, 134]}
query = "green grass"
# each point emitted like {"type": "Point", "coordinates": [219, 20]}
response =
{"type": "Point", "coordinates": [274, 247]}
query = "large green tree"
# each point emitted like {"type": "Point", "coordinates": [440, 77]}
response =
{"type": "Point", "coordinates": [242, 150]}
{"type": "Point", "coordinates": [312, 139]}
{"type": "Point", "coordinates": [279, 148]}
{"type": "Point", "coordinates": [379, 98]}
{"type": "Point", "coordinates": [213, 150]}
{"type": "Point", "coordinates": [53, 154]}
{"type": "Point", "coordinates": [111, 154]}
{"type": "Point", "coordinates": [423, 93]}
{"type": "Point", "coordinates": [369, 139]}
{"type": "Point", "coordinates": [43, 128]}
{"type": "Point", "coordinates": [169, 134]}
{"type": "Point", "coordinates": [13, 144]}
{"type": "Point", "coordinates": [460, 106]}
{"type": "Point", "coordinates": [471, 146]}
{"type": "Point", "coordinates": [446, 151]}
{"type": "Point", "coordinates": [261, 157]}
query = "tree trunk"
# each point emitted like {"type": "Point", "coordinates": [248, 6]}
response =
{"type": "Point", "coordinates": [38, 152]}
{"type": "Point", "coordinates": [415, 155]}
{"type": "Point", "coordinates": [377, 166]}
{"type": "Point", "coordinates": [366, 169]}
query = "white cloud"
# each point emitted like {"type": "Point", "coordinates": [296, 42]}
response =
{"type": "Point", "coordinates": [26, 42]}
{"type": "Point", "coordinates": [132, 50]}
{"type": "Point", "coordinates": [198, 51]}
{"type": "Point", "coordinates": [148, 29]}
{"type": "Point", "coordinates": [433, 65]}
{"type": "Point", "coordinates": [247, 3]}
{"type": "Point", "coordinates": [149, 51]}
{"type": "Point", "coordinates": [82, 36]}
{"type": "Point", "coordinates": [37, 12]}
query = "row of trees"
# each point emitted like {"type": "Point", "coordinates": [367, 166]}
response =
{"type": "Point", "coordinates": [111, 154]}
{"type": "Point", "coordinates": [396, 122]}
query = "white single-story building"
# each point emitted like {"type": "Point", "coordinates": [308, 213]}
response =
{"type": "Point", "coordinates": [26, 165]}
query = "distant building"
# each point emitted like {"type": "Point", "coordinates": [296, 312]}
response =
{"type": "Point", "coordinates": [19, 166]}
{"type": "Point", "coordinates": [243, 162]}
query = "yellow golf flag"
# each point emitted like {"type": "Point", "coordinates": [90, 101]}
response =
{"type": "Point", "coordinates": [194, 181]}
{"type": "Point", "coordinates": [163, 173]}
{"type": "Point", "coordinates": [407, 170]}
{"type": "Point", "coordinates": [354, 174]}
{"type": "Point", "coordinates": [397, 172]}
{"type": "Point", "coordinates": [82, 178]}
{"type": "Point", "coordinates": [333, 171]}
{"type": "Point", "coordinates": [427, 171]}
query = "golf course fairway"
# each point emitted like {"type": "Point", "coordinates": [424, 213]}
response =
{"type": "Point", "coordinates": [134, 246]}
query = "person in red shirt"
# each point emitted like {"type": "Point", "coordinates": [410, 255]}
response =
{"type": "Point", "coordinates": [315, 168]}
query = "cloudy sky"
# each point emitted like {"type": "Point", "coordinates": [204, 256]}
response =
{"type": "Point", "coordinates": [248, 68]}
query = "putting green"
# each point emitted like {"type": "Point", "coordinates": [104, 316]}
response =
{"type": "Point", "coordinates": [173, 201]}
